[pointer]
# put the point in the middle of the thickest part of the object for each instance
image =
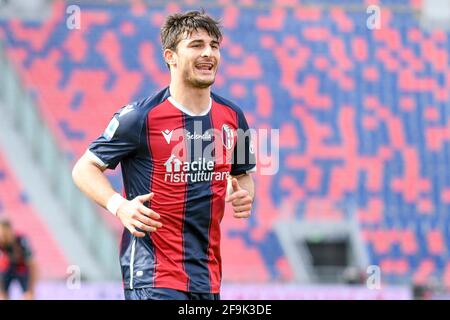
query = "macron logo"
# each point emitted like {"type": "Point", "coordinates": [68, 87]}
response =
{"type": "Point", "coordinates": [167, 135]}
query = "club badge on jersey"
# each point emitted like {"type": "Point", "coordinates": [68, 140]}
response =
{"type": "Point", "coordinates": [228, 136]}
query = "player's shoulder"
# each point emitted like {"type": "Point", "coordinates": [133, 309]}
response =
{"type": "Point", "coordinates": [143, 106]}
{"type": "Point", "coordinates": [22, 239]}
{"type": "Point", "coordinates": [154, 100]}
{"type": "Point", "coordinates": [226, 102]}
{"type": "Point", "coordinates": [131, 118]}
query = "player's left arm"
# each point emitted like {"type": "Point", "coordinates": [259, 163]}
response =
{"type": "Point", "coordinates": [241, 189]}
{"type": "Point", "coordinates": [33, 272]}
{"type": "Point", "coordinates": [32, 268]}
{"type": "Point", "coordinates": [241, 194]}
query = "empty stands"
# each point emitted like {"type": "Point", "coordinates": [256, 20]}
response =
{"type": "Point", "coordinates": [363, 116]}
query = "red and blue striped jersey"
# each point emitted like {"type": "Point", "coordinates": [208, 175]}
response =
{"type": "Point", "coordinates": [185, 160]}
{"type": "Point", "coordinates": [15, 257]}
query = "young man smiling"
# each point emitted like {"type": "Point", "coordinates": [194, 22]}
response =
{"type": "Point", "coordinates": [179, 150]}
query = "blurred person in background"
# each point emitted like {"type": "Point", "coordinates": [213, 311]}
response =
{"type": "Point", "coordinates": [16, 262]}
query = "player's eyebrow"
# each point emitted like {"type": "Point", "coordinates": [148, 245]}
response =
{"type": "Point", "coordinates": [203, 41]}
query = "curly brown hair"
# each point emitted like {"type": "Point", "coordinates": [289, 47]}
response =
{"type": "Point", "coordinates": [180, 24]}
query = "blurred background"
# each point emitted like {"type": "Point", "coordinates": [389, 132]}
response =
{"type": "Point", "coordinates": [359, 91]}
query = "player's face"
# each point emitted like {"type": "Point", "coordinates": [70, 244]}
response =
{"type": "Point", "coordinates": [198, 57]}
{"type": "Point", "coordinates": [5, 235]}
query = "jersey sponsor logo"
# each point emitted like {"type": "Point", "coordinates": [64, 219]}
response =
{"type": "Point", "coordinates": [200, 170]}
{"type": "Point", "coordinates": [167, 135]}
{"type": "Point", "coordinates": [111, 129]}
{"type": "Point", "coordinates": [206, 136]}
{"type": "Point", "coordinates": [228, 136]}
{"type": "Point", "coordinates": [173, 164]}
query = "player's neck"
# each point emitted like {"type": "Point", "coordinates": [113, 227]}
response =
{"type": "Point", "coordinates": [195, 100]}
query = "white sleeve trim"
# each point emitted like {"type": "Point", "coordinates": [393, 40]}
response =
{"type": "Point", "coordinates": [96, 159]}
{"type": "Point", "coordinates": [252, 170]}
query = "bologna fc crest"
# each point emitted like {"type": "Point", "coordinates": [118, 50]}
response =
{"type": "Point", "coordinates": [228, 136]}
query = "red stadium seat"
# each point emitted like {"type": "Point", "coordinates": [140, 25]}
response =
{"type": "Point", "coordinates": [362, 115]}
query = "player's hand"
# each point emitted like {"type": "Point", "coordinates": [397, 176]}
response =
{"type": "Point", "coordinates": [135, 215]}
{"type": "Point", "coordinates": [240, 199]}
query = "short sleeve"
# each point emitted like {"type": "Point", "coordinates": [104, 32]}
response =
{"type": "Point", "coordinates": [120, 139]}
{"type": "Point", "coordinates": [244, 160]}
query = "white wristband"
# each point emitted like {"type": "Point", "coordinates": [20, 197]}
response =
{"type": "Point", "coordinates": [114, 203]}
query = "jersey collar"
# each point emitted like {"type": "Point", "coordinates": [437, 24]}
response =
{"type": "Point", "coordinates": [188, 112]}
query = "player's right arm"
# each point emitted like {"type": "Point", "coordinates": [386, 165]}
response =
{"type": "Point", "coordinates": [89, 177]}
{"type": "Point", "coordinates": [121, 139]}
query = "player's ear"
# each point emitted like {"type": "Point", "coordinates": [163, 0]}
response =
{"type": "Point", "coordinates": [170, 57]}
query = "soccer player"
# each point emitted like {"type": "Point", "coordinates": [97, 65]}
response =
{"type": "Point", "coordinates": [184, 152]}
{"type": "Point", "coordinates": [16, 262]}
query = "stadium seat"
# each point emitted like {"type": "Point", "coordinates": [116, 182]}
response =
{"type": "Point", "coordinates": [51, 261]}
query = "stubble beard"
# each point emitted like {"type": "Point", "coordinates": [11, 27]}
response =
{"type": "Point", "coordinates": [195, 82]}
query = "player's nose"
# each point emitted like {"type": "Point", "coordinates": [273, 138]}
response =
{"type": "Point", "coordinates": [207, 51]}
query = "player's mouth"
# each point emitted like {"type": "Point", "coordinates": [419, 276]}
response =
{"type": "Point", "coordinates": [204, 67]}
